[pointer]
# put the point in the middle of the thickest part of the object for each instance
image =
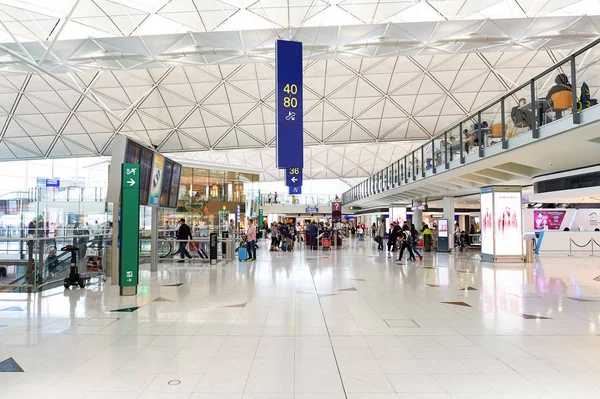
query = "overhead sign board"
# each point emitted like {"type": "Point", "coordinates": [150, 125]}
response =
{"type": "Point", "coordinates": [53, 184]}
{"type": "Point", "coordinates": [312, 210]}
{"type": "Point", "coordinates": [288, 104]}
{"type": "Point", "coordinates": [293, 177]}
{"type": "Point", "coordinates": [419, 208]}
{"type": "Point", "coordinates": [295, 190]}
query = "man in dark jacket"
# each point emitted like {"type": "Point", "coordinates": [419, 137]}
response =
{"type": "Point", "coordinates": [183, 234]}
{"type": "Point", "coordinates": [313, 229]}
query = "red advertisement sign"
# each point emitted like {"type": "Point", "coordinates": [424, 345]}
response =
{"type": "Point", "coordinates": [550, 220]}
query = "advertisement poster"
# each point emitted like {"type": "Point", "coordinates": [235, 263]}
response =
{"type": "Point", "coordinates": [507, 224]}
{"type": "Point", "coordinates": [156, 182]}
{"type": "Point", "coordinates": [548, 220]}
{"type": "Point", "coordinates": [398, 214]}
{"type": "Point", "coordinates": [442, 228]}
{"type": "Point", "coordinates": [487, 224]}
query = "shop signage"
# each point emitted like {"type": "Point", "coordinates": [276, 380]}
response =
{"type": "Point", "coordinates": [288, 105]}
{"type": "Point", "coordinates": [293, 177]}
{"type": "Point", "coordinates": [128, 228]}
{"type": "Point", "coordinates": [312, 210]}
{"type": "Point", "coordinates": [295, 190]}
{"type": "Point", "coordinates": [53, 184]}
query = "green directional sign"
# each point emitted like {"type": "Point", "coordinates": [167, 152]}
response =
{"type": "Point", "coordinates": [260, 218]}
{"type": "Point", "coordinates": [128, 229]}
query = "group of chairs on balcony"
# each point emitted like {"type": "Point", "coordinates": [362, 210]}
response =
{"type": "Point", "coordinates": [557, 103]}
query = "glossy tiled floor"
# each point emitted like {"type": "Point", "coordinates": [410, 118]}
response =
{"type": "Point", "coordinates": [313, 325]}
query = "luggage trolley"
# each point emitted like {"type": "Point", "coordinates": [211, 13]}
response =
{"type": "Point", "coordinates": [95, 268]}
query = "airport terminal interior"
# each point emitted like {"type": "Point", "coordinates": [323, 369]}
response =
{"type": "Point", "coordinates": [299, 199]}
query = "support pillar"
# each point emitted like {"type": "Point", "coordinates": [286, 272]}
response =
{"type": "Point", "coordinates": [418, 217]}
{"type": "Point", "coordinates": [114, 274]}
{"type": "Point", "coordinates": [448, 203]}
{"type": "Point", "coordinates": [154, 240]}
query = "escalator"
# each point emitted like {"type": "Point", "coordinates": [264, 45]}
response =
{"type": "Point", "coordinates": [61, 271]}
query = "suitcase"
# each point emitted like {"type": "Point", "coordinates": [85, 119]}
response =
{"type": "Point", "coordinates": [242, 254]}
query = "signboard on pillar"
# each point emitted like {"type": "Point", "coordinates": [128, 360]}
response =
{"type": "Point", "coordinates": [293, 177]}
{"type": "Point", "coordinates": [336, 212]}
{"type": "Point", "coordinates": [260, 218]}
{"type": "Point", "coordinates": [295, 190]}
{"type": "Point", "coordinates": [501, 224]}
{"type": "Point", "coordinates": [129, 229]}
{"type": "Point", "coordinates": [288, 105]}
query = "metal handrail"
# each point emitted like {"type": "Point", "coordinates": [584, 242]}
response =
{"type": "Point", "coordinates": [470, 117]}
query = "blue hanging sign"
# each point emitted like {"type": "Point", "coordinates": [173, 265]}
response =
{"type": "Point", "coordinates": [312, 210]}
{"type": "Point", "coordinates": [293, 177]}
{"type": "Point", "coordinates": [295, 190]}
{"type": "Point", "coordinates": [53, 184]}
{"type": "Point", "coordinates": [288, 105]}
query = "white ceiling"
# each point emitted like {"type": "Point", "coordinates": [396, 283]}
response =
{"type": "Point", "coordinates": [197, 77]}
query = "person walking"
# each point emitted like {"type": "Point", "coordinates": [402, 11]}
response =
{"type": "Point", "coordinates": [314, 230]}
{"type": "Point", "coordinates": [251, 236]}
{"type": "Point", "coordinates": [391, 244]}
{"type": "Point", "coordinates": [415, 240]}
{"type": "Point", "coordinates": [427, 238]}
{"type": "Point", "coordinates": [406, 244]}
{"type": "Point", "coordinates": [373, 230]}
{"type": "Point", "coordinates": [183, 235]}
{"type": "Point", "coordinates": [397, 231]}
{"type": "Point", "coordinates": [380, 235]}
{"type": "Point", "coordinates": [269, 198]}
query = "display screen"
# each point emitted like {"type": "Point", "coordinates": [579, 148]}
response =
{"type": "Point", "coordinates": [146, 157]}
{"type": "Point", "coordinates": [166, 182]}
{"type": "Point", "coordinates": [442, 228]}
{"type": "Point", "coordinates": [156, 179]}
{"type": "Point", "coordinates": [132, 153]}
{"type": "Point", "coordinates": [507, 223]}
{"type": "Point", "coordinates": [548, 220]}
{"type": "Point", "coordinates": [174, 192]}
{"type": "Point", "coordinates": [487, 224]}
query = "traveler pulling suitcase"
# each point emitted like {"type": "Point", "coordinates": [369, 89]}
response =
{"type": "Point", "coordinates": [242, 254]}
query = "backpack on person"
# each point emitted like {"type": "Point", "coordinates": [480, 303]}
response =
{"type": "Point", "coordinates": [407, 237]}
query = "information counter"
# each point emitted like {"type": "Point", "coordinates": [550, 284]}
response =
{"type": "Point", "coordinates": [566, 242]}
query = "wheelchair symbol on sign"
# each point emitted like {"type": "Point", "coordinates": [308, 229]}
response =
{"type": "Point", "coordinates": [291, 116]}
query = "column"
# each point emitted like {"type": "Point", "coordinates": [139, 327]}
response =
{"type": "Point", "coordinates": [114, 275]}
{"type": "Point", "coordinates": [154, 240]}
{"type": "Point", "coordinates": [418, 216]}
{"type": "Point", "coordinates": [448, 203]}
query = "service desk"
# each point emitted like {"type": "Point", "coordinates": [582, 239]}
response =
{"type": "Point", "coordinates": [565, 242]}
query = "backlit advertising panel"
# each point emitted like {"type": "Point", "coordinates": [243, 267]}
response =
{"type": "Point", "coordinates": [508, 233]}
{"type": "Point", "coordinates": [442, 225]}
{"type": "Point", "coordinates": [487, 223]}
{"type": "Point", "coordinates": [156, 182]}
{"type": "Point", "coordinates": [548, 220]}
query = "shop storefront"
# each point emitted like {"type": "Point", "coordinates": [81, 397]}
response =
{"type": "Point", "coordinates": [208, 199]}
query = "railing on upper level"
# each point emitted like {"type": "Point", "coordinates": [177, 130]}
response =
{"type": "Point", "coordinates": [546, 99]}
